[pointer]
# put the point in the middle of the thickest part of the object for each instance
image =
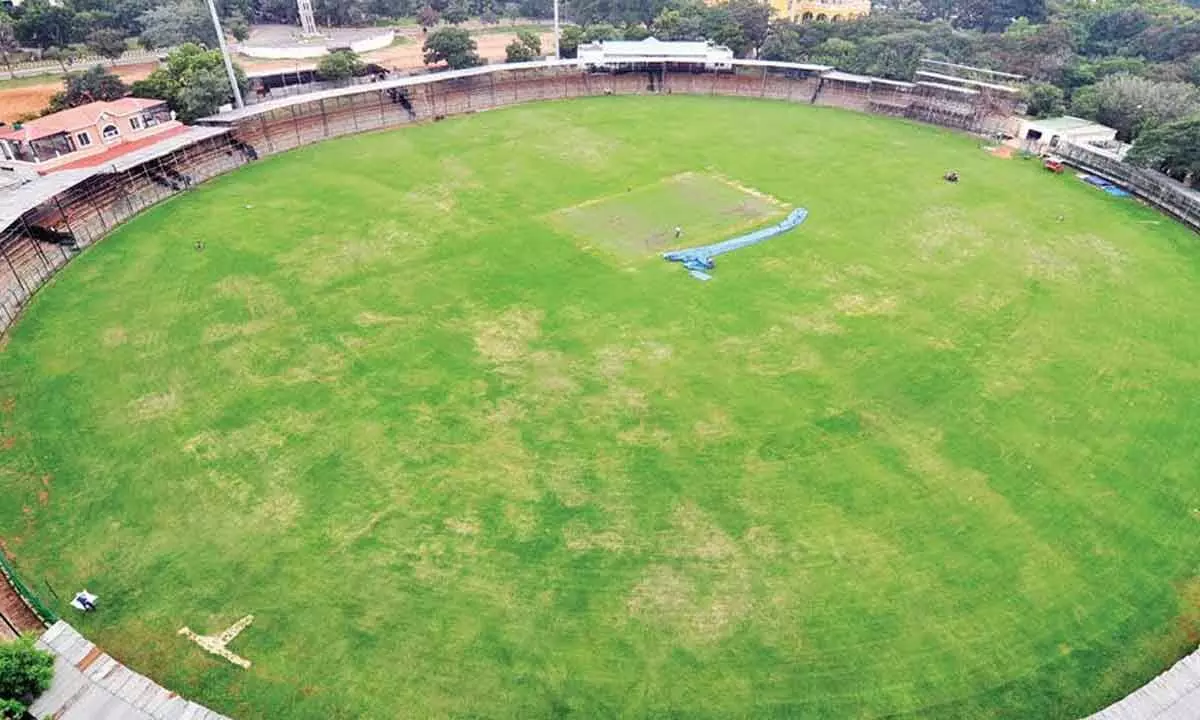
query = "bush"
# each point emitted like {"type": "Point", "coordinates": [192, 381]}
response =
{"type": "Point", "coordinates": [340, 65]}
{"type": "Point", "coordinates": [525, 48]}
{"type": "Point", "coordinates": [453, 46]}
{"type": "Point", "coordinates": [25, 673]}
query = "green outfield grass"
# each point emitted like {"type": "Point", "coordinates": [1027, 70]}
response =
{"type": "Point", "coordinates": [704, 208]}
{"type": "Point", "coordinates": [933, 454]}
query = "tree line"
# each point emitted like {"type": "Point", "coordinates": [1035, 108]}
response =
{"type": "Point", "coordinates": [1131, 64]}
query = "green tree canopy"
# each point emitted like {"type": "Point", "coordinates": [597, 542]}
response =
{"type": "Point", "coordinates": [526, 47]}
{"type": "Point", "coordinates": [1131, 104]}
{"type": "Point", "coordinates": [1045, 100]}
{"type": "Point", "coordinates": [340, 65]}
{"type": "Point", "coordinates": [25, 671]}
{"type": "Point", "coordinates": [452, 46]}
{"type": "Point", "coordinates": [569, 41]}
{"type": "Point", "coordinates": [192, 81]}
{"type": "Point", "coordinates": [1173, 148]}
{"type": "Point", "coordinates": [44, 26]}
{"type": "Point", "coordinates": [456, 13]}
{"type": "Point", "coordinates": [178, 22]}
{"type": "Point", "coordinates": [107, 42]}
{"type": "Point", "coordinates": [8, 40]}
{"type": "Point", "coordinates": [94, 84]}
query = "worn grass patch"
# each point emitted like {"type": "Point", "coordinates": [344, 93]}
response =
{"type": "Point", "coordinates": [706, 206]}
{"type": "Point", "coordinates": [932, 457]}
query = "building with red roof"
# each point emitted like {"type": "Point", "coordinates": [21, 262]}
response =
{"type": "Point", "coordinates": [95, 131]}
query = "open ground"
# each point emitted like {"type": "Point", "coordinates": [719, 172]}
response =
{"type": "Point", "coordinates": [31, 95]}
{"type": "Point", "coordinates": [930, 455]}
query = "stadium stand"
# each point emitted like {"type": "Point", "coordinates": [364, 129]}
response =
{"type": "Point", "coordinates": [45, 221]}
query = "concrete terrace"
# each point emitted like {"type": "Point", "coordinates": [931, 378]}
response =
{"type": "Point", "coordinates": [90, 685]}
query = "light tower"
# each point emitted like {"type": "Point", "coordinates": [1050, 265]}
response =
{"type": "Point", "coordinates": [308, 23]}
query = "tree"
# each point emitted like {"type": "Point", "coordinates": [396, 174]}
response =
{"type": "Point", "coordinates": [569, 41]}
{"type": "Point", "coordinates": [1131, 104]}
{"type": "Point", "coordinates": [686, 23]}
{"type": "Point", "coordinates": [512, 12]}
{"type": "Point", "coordinates": [753, 18]}
{"type": "Point", "coordinates": [525, 48]}
{"type": "Point", "coordinates": [192, 81]}
{"type": "Point", "coordinates": [340, 65]}
{"type": "Point", "coordinates": [489, 17]}
{"type": "Point", "coordinates": [176, 23]}
{"type": "Point", "coordinates": [44, 26]}
{"type": "Point", "coordinates": [64, 56]}
{"type": "Point", "coordinates": [237, 26]}
{"type": "Point", "coordinates": [1045, 100]}
{"type": "Point", "coordinates": [601, 32]}
{"type": "Point", "coordinates": [25, 672]}
{"type": "Point", "coordinates": [997, 15]}
{"type": "Point", "coordinates": [91, 85]}
{"type": "Point", "coordinates": [452, 46]}
{"type": "Point", "coordinates": [1173, 148]}
{"type": "Point", "coordinates": [893, 56]}
{"type": "Point", "coordinates": [107, 42]}
{"type": "Point", "coordinates": [634, 31]}
{"type": "Point", "coordinates": [456, 13]}
{"type": "Point", "coordinates": [8, 40]}
{"type": "Point", "coordinates": [428, 17]}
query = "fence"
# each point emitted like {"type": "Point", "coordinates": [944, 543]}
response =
{"type": "Point", "coordinates": [24, 595]}
{"type": "Point", "coordinates": [48, 235]}
{"type": "Point", "coordinates": [33, 68]}
{"type": "Point", "coordinates": [281, 124]}
{"type": "Point", "coordinates": [1162, 192]}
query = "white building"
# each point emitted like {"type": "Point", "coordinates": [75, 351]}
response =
{"type": "Point", "coordinates": [1041, 136]}
{"type": "Point", "coordinates": [613, 53]}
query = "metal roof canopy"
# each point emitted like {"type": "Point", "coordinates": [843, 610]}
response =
{"type": "Point", "coordinates": [944, 86]}
{"type": "Point", "coordinates": [972, 68]}
{"type": "Point", "coordinates": [16, 202]}
{"type": "Point", "coordinates": [1065, 123]}
{"type": "Point", "coordinates": [967, 81]}
{"type": "Point", "coordinates": [232, 116]}
{"type": "Point", "coordinates": [19, 200]}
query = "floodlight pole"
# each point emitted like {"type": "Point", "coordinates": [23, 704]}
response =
{"type": "Point", "coordinates": [556, 55]}
{"type": "Point", "coordinates": [233, 83]}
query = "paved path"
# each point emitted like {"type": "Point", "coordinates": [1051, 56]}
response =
{"type": "Point", "coordinates": [90, 685]}
{"type": "Point", "coordinates": [1174, 695]}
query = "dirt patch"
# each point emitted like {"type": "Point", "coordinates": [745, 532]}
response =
{"type": "Point", "coordinates": [113, 337]}
{"type": "Point", "coordinates": [18, 102]}
{"type": "Point", "coordinates": [695, 535]}
{"type": "Point", "coordinates": [507, 338]}
{"type": "Point", "coordinates": [1002, 151]}
{"type": "Point", "coordinates": [152, 407]}
{"type": "Point", "coordinates": [462, 526]}
{"type": "Point", "coordinates": [857, 305]}
{"type": "Point", "coordinates": [579, 537]}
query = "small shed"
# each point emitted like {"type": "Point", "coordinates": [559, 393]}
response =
{"type": "Point", "coordinates": [1040, 136]}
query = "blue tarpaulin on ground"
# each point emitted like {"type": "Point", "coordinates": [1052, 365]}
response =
{"type": "Point", "coordinates": [1104, 185]}
{"type": "Point", "coordinates": [699, 259]}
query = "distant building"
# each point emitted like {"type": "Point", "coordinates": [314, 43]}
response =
{"type": "Point", "coordinates": [618, 53]}
{"type": "Point", "coordinates": [1041, 136]}
{"type": "Point", "coordinates": [821, 10]}
{"type": "Point", "coordinates": [89, 132]}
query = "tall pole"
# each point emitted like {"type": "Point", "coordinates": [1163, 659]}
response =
{"type": "Point", "coordinates": [237, 91]}
{"type": "Point", "coordinates": [556, 55]}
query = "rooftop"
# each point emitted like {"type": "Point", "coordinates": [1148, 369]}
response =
{"type": "Point", "coordinates": [76, 118]}
{"type": "Point", "coordinates": [656, 47]}
{"type": "Point", "coordinates": [1065, 123]}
